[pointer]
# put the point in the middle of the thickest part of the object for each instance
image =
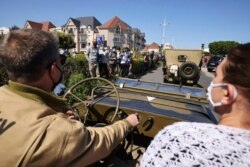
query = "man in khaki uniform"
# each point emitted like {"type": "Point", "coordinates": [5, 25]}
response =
{"type": "Point", "coordinates": [34, 129]}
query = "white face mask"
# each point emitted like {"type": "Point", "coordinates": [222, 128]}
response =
{"type": "Point", "coordinates": [209, 91]}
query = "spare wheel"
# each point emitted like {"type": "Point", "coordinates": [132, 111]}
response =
{"type": "Point", "coordinates": [188, 70]}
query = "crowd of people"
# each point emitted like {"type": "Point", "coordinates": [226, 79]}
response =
{"type": "Point", "coordinates": [150, 59]}
{"type": "Point", "coordinates": [39, 129]}
{"type": "Point", "coordinates": [104, 62]}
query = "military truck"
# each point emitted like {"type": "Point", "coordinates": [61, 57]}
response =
{"type": "Point", "coordinates": [182, 66]}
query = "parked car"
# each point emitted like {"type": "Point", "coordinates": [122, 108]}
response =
{"type": "Point", "coordinates": [213, 62]}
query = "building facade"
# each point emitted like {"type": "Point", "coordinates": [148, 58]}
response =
{"type": "Point", "coordinates": [153, 47]}
{"type": "Point", "coordinates": [114, 32]}
{"type": "Point", "coordinates": [118, 33]}
{"type": "Point", "coordinates": [138, 39]}
{"type": "Point", "coordinates": [85, 30]}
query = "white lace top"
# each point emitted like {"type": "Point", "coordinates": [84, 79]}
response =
{"type": "Point", "coordinates": [198, 144]}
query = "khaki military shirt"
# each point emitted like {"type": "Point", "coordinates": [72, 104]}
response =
{"type": "Point", "coordinates": [34, 131]}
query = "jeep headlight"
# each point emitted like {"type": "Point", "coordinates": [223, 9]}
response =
{"type": "Point", "coordinates": [174, 70]}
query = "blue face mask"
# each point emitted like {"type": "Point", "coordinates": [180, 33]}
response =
{"type": "Point", "coordinates": [209, 90]}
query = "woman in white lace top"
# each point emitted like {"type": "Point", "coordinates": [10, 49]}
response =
{"type": "Point", "coordinates": [202, 144]}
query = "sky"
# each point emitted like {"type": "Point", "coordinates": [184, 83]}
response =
{"type": "Point", "coordinates": [190, 22]}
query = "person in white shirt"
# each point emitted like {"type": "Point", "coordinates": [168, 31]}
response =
{"type": "Point", "coordinates": [125, 62]}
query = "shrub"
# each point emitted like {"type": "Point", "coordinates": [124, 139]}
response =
{"type": "Point", "coordinates": [75, 65]}
{"type": "Point", "coordinates": [138, 66]}
{"type": "Point", "coordinates": [3, 75]}
{"type": "Point", "coordinates": [79, 92]}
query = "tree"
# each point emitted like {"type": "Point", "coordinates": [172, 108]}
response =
{"type": "Point", "coordinates": [65, 41]}
{"type": "Point", "coordinates": [221, 47]}
{"type": "Point", "coordinates": [14, 28]}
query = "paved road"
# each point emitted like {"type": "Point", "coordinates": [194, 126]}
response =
{"type": "Point", "coordinates": [156, 76]}
{"type": "Point", "coordinates": [206, 77]}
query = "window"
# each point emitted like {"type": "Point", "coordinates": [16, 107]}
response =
{"type": "Point", "coordinates": [182, 58]}
{"type": "Point", "coordinates": [118, 30]}
{"type": "Point", "coordinates": [116, 39]}
{"type": "Point", "coordinates": [82, 30]}
{"type": "Point", "coordinates": [89, 28]}
{"type": "Point", "coordinates": [71, 30]}
{"type": "Point", "coordinates": [83, 45]}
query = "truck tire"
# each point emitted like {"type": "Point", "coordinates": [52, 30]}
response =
{"type": "Point", "coordinates": [189, 70]}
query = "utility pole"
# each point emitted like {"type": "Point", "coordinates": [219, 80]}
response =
{"type": "Point", "coordinates": [164, 24]}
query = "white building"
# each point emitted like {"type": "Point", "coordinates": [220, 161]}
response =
{"type": "Point", "coordinates": [4, 31]}
{"type": "Point", "coordinates": [114, 32]}
{"type": "Point", "coordinates": [83, 30]}
{"type": "Point", "coordinates": [167, 46]}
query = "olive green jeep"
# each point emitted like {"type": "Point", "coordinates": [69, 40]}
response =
{"type": "Point", "coordinates": [100, 102]}
{"type": "Point", "coordinates": [182, 66]}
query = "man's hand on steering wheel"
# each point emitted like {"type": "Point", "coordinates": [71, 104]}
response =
{"type": "Point", "coordinates": [72, 115]}
{"type": "Point", "coordinates": [133, 119]}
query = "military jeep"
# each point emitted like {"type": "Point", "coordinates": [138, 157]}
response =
{"type": "Point", "coordinates": [182, 66]}
{"type": "Point", "coordinates": [101, 102]}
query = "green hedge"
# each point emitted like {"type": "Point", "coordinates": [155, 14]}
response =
{"type": "Point", "coordinates": [79, 65]}
{"type": "Point", "coordinates": [75, 65]}
{"type": "Point", "coordinates": [3, 75]}
{"type": "Point", "coordinates": [138, 66]}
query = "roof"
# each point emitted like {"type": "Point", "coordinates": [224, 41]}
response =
{"type": "Point", "coordinates": [112, 23]}
{"type": "Point", "coordinates": [153, 46]}
{"type": "Point", "coordinates": [87, 21]}
{"type": "Point", "coordinates": [44, 26]}
{"type": "Point", "coordinates": [75, 21]}
{"type": "Point", "coordinates": [47, 25]}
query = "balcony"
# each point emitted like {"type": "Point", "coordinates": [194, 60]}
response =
{"type": "Point", "coordinates": [117, 39]}
{"type": "Point", "coordinates": [82, 32]}
{"type": "Point", "coordinates": [117, 35]}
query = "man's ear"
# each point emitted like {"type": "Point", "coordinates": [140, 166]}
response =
{"type": "Point", "coordinates": [52, 71]}
{"type": "Point", "coordinates": [228, 95]}
{"type": "Point", "coordinates": [52, 68]}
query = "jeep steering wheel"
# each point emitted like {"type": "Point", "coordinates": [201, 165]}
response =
{"type": "Point", "coordinates": [93, 90]}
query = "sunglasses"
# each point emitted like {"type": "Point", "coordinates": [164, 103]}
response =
{"type": "Point", "coordinates": [63, 59]}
